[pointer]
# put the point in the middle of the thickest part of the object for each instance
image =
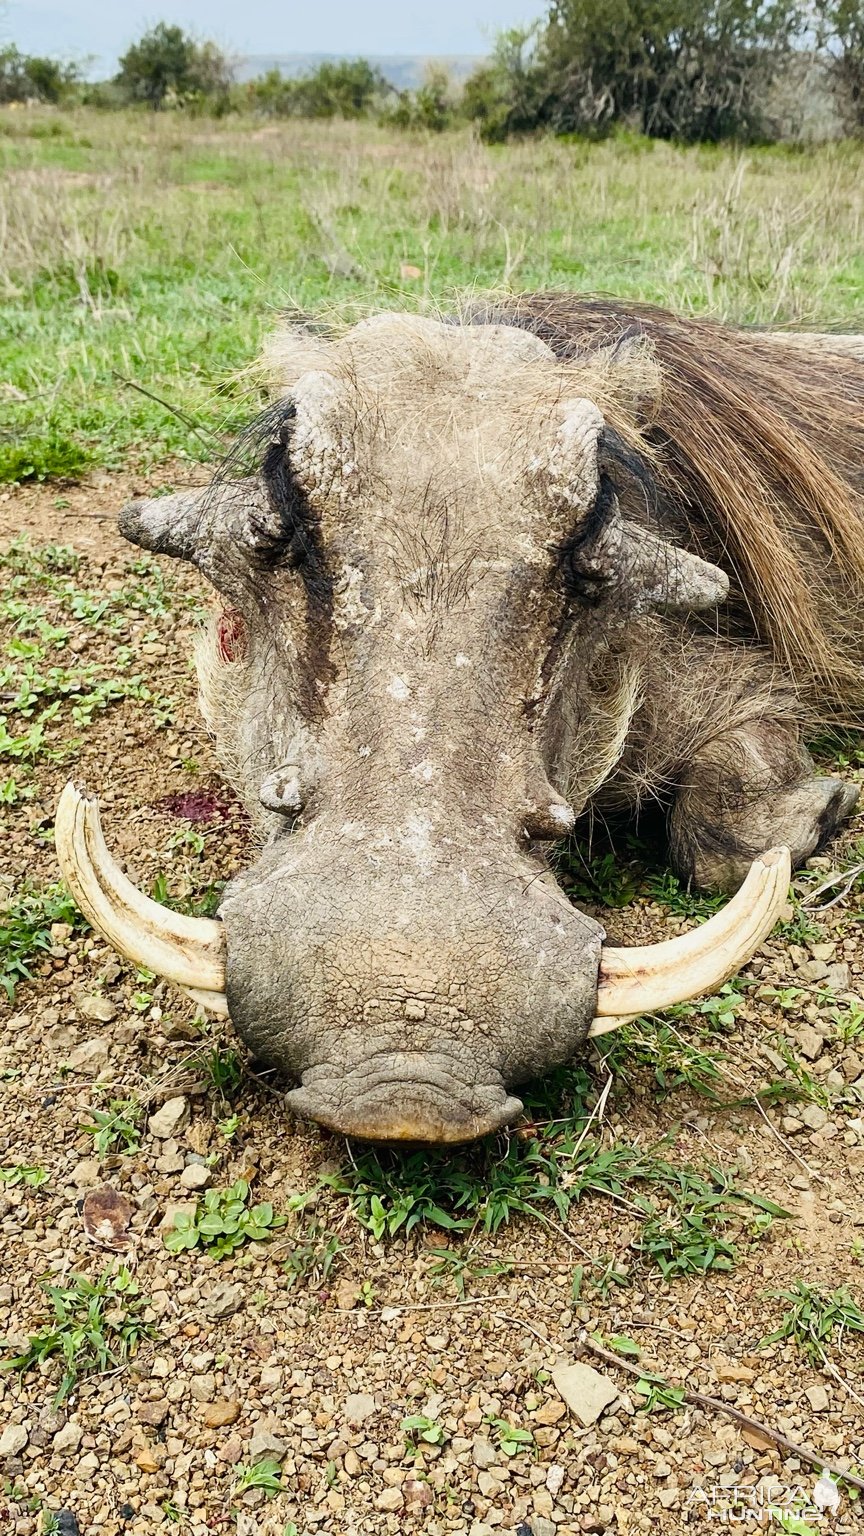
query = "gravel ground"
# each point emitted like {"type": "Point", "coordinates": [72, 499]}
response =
{"type": "Point", "coordinates": [318, 1376]}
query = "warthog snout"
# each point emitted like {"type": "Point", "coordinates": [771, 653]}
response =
{"type": "Point", "coordinates": [407, 1000]}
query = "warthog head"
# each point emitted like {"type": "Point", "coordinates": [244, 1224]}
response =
{"type": "Point", "coordinates": [442, 540]}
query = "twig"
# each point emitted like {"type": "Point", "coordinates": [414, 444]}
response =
{"type": "Point", "coordinates": [422, 1306]}
{"type": "Point", "coordinates": [849, 875]}
{"type": "Point", "coordinates": [716, 1405]}
{"type": "Point", "coordinates": [166, 405]}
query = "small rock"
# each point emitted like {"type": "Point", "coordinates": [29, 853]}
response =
{"type": "Point", "coordinates": [101, 1009]}
{"type": "Point", "coordinates": [813, 970]}
{"type": "Point", "coordinates": [417, 1495]}
{"type": "Point", "coordinates": [86, 1173]}
{"type": "Point", "coordinates": [730, 1370]}
{"type": "Point", "coordinates": [550, 1411]}
{"type": "Point", "coordinates": [171, 1161]}
{"type": "Point", "coordinates": [837, 979]}
{"type": "Point", "coordinates": [810, 1041]}
{"type": "Point", "coordinates": [67, 1440]}
{"type": "Point", "coordinates": [483, 1452]}
{"type": "Point", "coordinates": [264, 1444]}
{"type": "Point", "coordinates": [153, 1414]}
{"type": "Point", "coordinates": [585, 1391]}
{"type": "Point", "coordinates": [195, 1177]}
{"type": "Point", "coordinates": [170, 1119]}
{"type": "Point", "coordinates": [814, 1116]}
{"type": "Point", "coordinates": [540, 1526]}
{"type": "Point", "coordinates": [389, 1498]}
{"type": "Point", "coordinates": [146, 1460]}
{"type": "Point", "coordinates": [853, 1066]}
{"type": "Point", "coordinates": [13, 1440]}
{"type": "Point", "coordinates": [224, 1299]}
{"type": "Point", "coordinates": [271, 1376]}
{"type": "Point", "coordinates": [555, 1479]}
{"type": "Point", "coordinates": [66, 1524]}
{"type": "Point", "coordinates": [217, 1415]}
{"type": "Point", "coordinates": [203, 1388]}
{"type": "Point", "coordinates": [818, 1398]}
{"type": "Point", "coordinates": [91, 1057]}
{"type": "Point", "coordinates": [790, 1125]}
{"type": "Point", "coordinates": [353, 1465]}
{"type": "Point", "coordinates": [662, 1469]}
{"type": "Point", "coordinates": [359, 1407]}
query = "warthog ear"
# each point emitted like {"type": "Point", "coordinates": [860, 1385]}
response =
{"type": "Point", "coordinates": [187, 524]}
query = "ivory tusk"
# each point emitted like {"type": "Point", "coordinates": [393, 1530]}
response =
{"type": "Point", "coordinates": [650, 977]}
{"type": "Point", "coordinates": [187, 950]}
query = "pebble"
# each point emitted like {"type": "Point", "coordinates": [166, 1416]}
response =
{"type": "Point", "coordinates": [818, 1398]}
{"type": "Point", "coordinates": [170, 1119]}
{"type": "Point", "coordinates": [196, 1177]}
{"type": "Point", "coordinates": [359, 1407]}
{"type": "Point", "coordinates": [13, 1440]}
{"type": "Point", "coordinates": [86, 1173]}
{"type": "Point", "coordinates": [263, 1444]}
{"type": "Point", "coordinates": [217, 1415]}
{"type": "Point", "coordinates": [90, 1057]}
{"type": "Point", "coordinates": [810, 1041]}
{"type": "Point", "coordinates": [67, 1440]}
{"type": "Point", "coordinates": [483, 1452]}
{"type": "Point", "coordinates": [585, 1391]}
{"type": "Point", "coordinates": [153, 1414]}
{"type": "Point", "coordinates": [390, 1499]}
{"type": "Point", "coordinates": [814, 1116]}
{"type": "Point", "coordinates": [203, 1388]}
{"type": "Point", "coordinates": [224, 1299]}
{"type": "Point", "coordinates": [96, 1007]}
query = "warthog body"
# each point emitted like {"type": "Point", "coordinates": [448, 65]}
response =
{"type": "Point", "coordinates": [488, 576]}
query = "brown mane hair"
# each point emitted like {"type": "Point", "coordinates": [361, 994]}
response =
{"type": "Point", "coordinates": [760, 446]}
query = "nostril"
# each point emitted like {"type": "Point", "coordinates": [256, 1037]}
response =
{"type": "Point", "coordinates": [282, 791]}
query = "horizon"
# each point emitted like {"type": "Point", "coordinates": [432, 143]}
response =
{"type": "Point", "coordinates": [90, 31]}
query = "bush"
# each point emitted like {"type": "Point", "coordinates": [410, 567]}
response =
{"type": "Point", "coordinates": [348, 88]}
{"type": "Point", "coordinates": [432, 106]}
{"type": "Point", "coordinates": [167, 67]}
{"type": "Point", "coordinates": [26, 77]}
{"type": "Point", "coordinates": [841, 37]}
{"type": "Point", "coordinates": [675, 69]}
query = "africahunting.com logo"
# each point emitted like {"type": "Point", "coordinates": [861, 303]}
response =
{"type": "Point", "coordinates": [776, 1506]}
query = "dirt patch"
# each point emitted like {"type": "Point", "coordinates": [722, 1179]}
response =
{"type": "Point", "coordinates": [316, 1366]}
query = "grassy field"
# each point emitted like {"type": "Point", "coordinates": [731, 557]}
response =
{"type": "Point", "coordinates": [149, 252]}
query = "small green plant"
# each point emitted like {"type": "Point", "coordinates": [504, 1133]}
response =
{"type": "Point", "coordinates": [97, 1325]}
{"type": "Point", "coordinates": [418, 1427]}
{"type": "Point", "coordinates": [116, 1128]}
{"type": "Point", "coordinates": [666, 888]}
{"type": "Point", "coordinates": [659, 1396]}
{"type": "Point", "coordinates": [314, 1254]}
{"type": "Point", "coordinates": [223, 1222]}
{"type": "Point", "coordinates": [689, 1239]}
{"type": "Point", "coordinates": [457, 1266]}
{"type": "Point", "coordinates": [25, 931]}
{"type": "Point", "coordinates": [814, 1317]}
{"type": "Point", "coordinates": [24, 1173]}
{"type": "Point", "coordinates": [510, 1439]}
{"type": "Point", "coordinates": [229, 1126]}
{"type": "Point", "coordinates": [225, 1071]}
{"type": "Point", "coordinates": [602, 880]}
{"type": "Point", "coordinates": [265, 1474]}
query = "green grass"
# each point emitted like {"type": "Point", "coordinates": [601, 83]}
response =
{"type": "Point", "coordinates": [25, 931]}
{"type": "Point", "coordinates": [687, 1218]}
{"type": "Point", "coordinates": [143, 255]}
{"type": "Point", "coordinates": [95, 1327]}
{"type": "Point", "coordinates": [816, 1318]}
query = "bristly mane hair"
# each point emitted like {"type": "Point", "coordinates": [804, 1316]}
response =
{"type": "Point", "coordinates": [759, 455]}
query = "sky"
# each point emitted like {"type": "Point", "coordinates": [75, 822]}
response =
{"type": "Point", "coordinates": [104, 28]}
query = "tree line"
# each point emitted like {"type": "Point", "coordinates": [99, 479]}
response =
{"type": "Point", "coordinates": [689, 70]}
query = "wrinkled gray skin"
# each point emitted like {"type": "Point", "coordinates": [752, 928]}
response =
{"type": "Point", "coordinates": [420, 693]}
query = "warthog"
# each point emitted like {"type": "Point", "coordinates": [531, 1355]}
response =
{"type": "Point", "coordinates": [488, 575]}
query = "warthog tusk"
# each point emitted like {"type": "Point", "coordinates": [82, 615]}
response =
{"type": "Point", "coordinates": [654, 976]}
{"type": "Point", "coordinates": [187, 950]}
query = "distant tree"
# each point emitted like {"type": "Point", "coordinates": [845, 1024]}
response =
{"type": "Point", "coordinates": [507, 95]}
{"type": "Point", "coordinates": [840, 29]}
{"type": "Point", "coordinates": [27, 77]}
{"type": "Point", "coordinates": [167, 64]}
{"type": "Point", "coordinates": [433, 105]}
{"type": "Point", "coordinates": [684, 69]}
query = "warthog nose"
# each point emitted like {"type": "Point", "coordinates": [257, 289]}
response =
{"type": "Point", "coordinates": [380, 1101]}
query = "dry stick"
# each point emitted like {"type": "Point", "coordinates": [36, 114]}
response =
{"type": "Point", "coordinates": [716, 1405]}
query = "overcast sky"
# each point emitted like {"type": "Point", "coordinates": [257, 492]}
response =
{"type": "Point", "coordinates": [104, 28]}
